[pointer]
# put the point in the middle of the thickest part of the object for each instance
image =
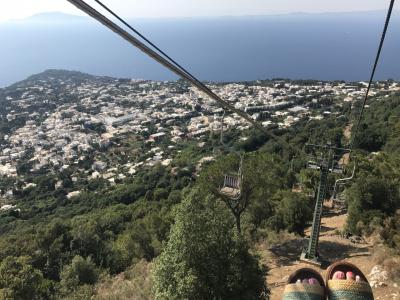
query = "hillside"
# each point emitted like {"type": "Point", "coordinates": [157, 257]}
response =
{"type": "Point", "coordinates": [108, 185]}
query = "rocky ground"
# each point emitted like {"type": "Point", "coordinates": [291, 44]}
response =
{"type": "Point", "coordinates": [283, 259]}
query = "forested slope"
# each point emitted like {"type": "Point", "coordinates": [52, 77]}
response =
{"type": "Point", "coordinates": [174, 219]}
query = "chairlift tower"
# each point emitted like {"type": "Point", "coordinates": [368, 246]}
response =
{"type": "Point", "coordinates": [326, 159]}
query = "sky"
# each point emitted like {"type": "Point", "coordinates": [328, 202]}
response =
{"type": "Point", "coordinates": [17, 9]}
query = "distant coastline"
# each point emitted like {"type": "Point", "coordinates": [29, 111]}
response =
{"type": "Point", "coordinates": [295, 46]}
{"type": "Point", "coordinates": [50, 16]}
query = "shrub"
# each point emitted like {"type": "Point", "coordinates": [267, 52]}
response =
{"type": "Point", "coordinates": [19, 280]}
{"type": "Point", "coordinates": [81, 271]}
{"type": "Point", "coordinates": [294, 212]}
{"type": "Point", "coordinates": [203, 258]}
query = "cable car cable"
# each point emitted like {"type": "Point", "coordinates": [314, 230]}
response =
{"type": "Point", "coordinates": [144, 38]}
{"type": "Point", "coordinates": [389, 14]}
{"type": "Point", "coordinates": [150, 52]}
{"type": "Point", "coordinates": [171, 64]}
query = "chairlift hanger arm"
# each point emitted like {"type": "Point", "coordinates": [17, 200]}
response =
{"type": "Point", "coordinates": [83, 6]}
{"type": "Point", "coordinates": [342, 180]}
{"type": "Point", "coordinates": [327, 146]}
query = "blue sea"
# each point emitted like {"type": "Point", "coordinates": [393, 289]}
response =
{"type": "Point", "coordinates": [339, 46]}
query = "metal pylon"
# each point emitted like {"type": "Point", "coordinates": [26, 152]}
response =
{"type": "Point", "coordinates": [326, 163]}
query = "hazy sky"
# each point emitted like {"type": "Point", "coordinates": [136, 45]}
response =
{"type": "Point", "coordinates": [13, 9]}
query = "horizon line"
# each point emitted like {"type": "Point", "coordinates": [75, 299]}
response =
{"type": "Point", "coordinates": [204, 16]}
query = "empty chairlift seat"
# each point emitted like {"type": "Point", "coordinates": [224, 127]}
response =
{"type": "Point", "coordinates": [231, 187]}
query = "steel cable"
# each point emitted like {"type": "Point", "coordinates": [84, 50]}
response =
{"type": "Point", "coordinates": [389, 14]}
{"type": "Point", "coordinates": [173, 67]}
{"type": "Point", "coordinates": [144, 38]}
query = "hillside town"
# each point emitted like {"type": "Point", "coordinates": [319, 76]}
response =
{"type": "Point", "coordinates": [53, 123]}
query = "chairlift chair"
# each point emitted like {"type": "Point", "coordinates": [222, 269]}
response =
{"type": "Point", "coordinates": [338, 197]}
{"type": "Point", "coordinates": [336, 166]}
{"type": "Point", "coordinates": [313, 165]}
{"type": "Point", "coordinates": [232, 186]}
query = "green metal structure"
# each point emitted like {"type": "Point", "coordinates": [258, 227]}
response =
{"type": "Point", "coordinates": [326, 163]}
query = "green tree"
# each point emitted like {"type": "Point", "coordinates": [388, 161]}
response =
{"type": "Point", "coordinates": [293, 212]}
{"type": "Point", "coordinates": [160, 194]}
{"type": "Point", "coordinates": [370, 197]}
{"type": "Point", "coordinates": [86, 239]}
{"type": "Point", "coordinates": [262, 175]}
{"type": "Point", "coordinates": [143, 239]}
{"type": "Point", "coordinates": [391, 232]}
{"type": "Point", "coordinates": [205, 259]}
{"type": "Point", "coordinates": [53, 243]}
{"type": "Point", "coordinates": [80, 272]}
{"type": "Point", "coordinates": [19, 280]}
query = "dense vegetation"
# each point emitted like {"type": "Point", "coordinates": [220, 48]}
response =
{"type": "Point", "coordinates": [59, 248]}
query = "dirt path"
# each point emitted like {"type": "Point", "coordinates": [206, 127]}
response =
{"type": "Point", "coordinates": [282, 259]}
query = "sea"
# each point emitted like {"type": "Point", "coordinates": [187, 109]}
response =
{"type": "Point", "coordinates": [330, 46]}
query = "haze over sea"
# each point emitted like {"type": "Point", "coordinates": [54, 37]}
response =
{"type": "Point", "coordinates": [334, 46]}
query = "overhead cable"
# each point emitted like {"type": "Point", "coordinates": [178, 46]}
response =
{"type": "Point", "coordinates": [144, 38]}
{"type": "Point", "coordinates": [173, 67]}
{"type": "Point", "coordinates": [383, 36]}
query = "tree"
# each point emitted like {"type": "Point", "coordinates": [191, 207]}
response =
{"type": "Point", "coordinates": [45, 183]}
{"type": "Point", "coordinates": [19, 280]}
{"type": "Point", "coordinates": [368, 198]}
{"type": "Point", "coordinates": [262, 175]}
{"type": "Point", "coordinates": [391, 232]}
{"type": "Point", "coordinates": [53, 243]}
{"type": "Point", "coordinates": [293, 212]}
{"type": "Point", "coordinates": [143, 239]}
{"type": "Point", "coordinates": [371, 137]}
{"type": "Point", "coordinates": [308, 180]}
{"type": "Point", "coordinates": [80, 272]}
{"type": "Point", "coordinates": [160, 194]}
{"type": "Point", "coordinates": [204, 259]}
{"type": "Point", "coordinates": [86, 239]}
